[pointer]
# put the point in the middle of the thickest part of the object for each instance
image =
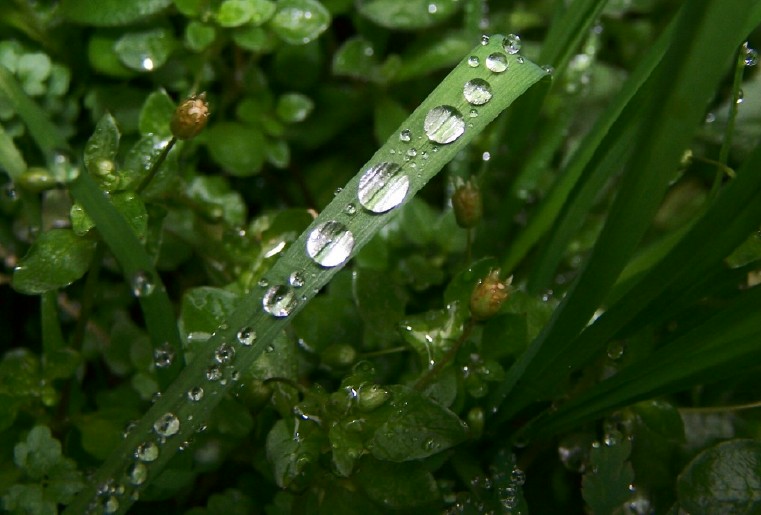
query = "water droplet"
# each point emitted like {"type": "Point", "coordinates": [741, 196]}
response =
{"type": "Point", "coordinates": [383, 187]}
{"type": "Point", "coordinates": [496, 62]}
{"type": "Point", "coordinates": [142, 284]}
{"type": "Point", "coordinates": [612, 438]}
{"type": "Point", "coordinates": [474, 61]}
{"type": "Point", "coordinates": [520, 59]}
{"type": "Point", "coordinates": [350, 209]}
{"type": "Point", "coordinates": [751, 56]}
{"type": "Point", "coordinates": [167, 425]}
{"type": "Point", "coordinates": [549, 70]}
{"type": "Point", "coordinates": [484, 40]}
{"type": "Point", "coordinates": [163, 355]}
{"type": "Point", "coordinates": [477, 92]}
{"type": "Point", "coordinates": [517, 477]}
{"type": "Point", "coordinates": [443, 124]}
{"type": "Point", "coordinates": [432, 8]}
{"type": "Point", "coordinates": [280, 300]}
{"type": "Point", "coordinates": [224, 354]}
{"type": "Point", "coordinates": [412, 152]}
{"type": "Point", "coordinates": [337, 191]}
{"type": "Point", "coordinates": [473, 113]}
{"type": "Point", "coordinates": [247, 336]}
{"type": "Point", "coordinates": [195, 394]}
{"type": "Point", "coordinates": [405, 135]}
{"type": "Point", "coordinates": [147, 451]}
{"type": "Point", "coordinates": [511, 44]}
{"type": "Point", "coordinates": [138, 473]}
{"type": "Point", "coordinates": [296, 279]}
{"type": "Point", "coordinates": [615, 350]}
{"type": "Point", "coordinates": [710, 118]}
{"type": "Point", "coordinates": [485, 156]}
{"type": "Point", "coordinates": [740, 96]}
{"type": "Point", "coordinates": [329, 244]}
{"type": "Point", "coordinates": [214, 373]}
{"type": "Point", "coordinates": [263, 283]}
{"type": "Point", "coordinates": [111, 505]}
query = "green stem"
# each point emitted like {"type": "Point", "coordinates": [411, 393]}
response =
{"type": "Point", "coordinates": [384, 352]}
{"type": "Point", "coordinates": [433, 373]}
{"type": "Point", "coordinates": [721, 409]}
{"type": "Point", "coordinates": [88, 297]}
{"type": "Point", "coordinates": [156, 166]}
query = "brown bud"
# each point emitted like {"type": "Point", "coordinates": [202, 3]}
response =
{"type": "Point", "coordinates": [489, 295]}
{"type": "Point", "coordinates": [468, 208]}
{"type": "Point", "coordinates": [190, 117]}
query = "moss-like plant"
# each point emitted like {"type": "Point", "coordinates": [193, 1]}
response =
{"type": "Point", "coordinates": [336, 257]}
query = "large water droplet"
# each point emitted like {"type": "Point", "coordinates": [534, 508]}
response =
{"type": "Point", "coordinates": [280, 300]}
{"type": "Point", "coordinates": [444, 124]}
{"type": "Point", "coordinates": [147, 451]}
{"type": "Point", "coordinates": [246, 336]}
{"type": "Point", "coordinates": [137, 473]}
{"type": "Point", "coordinates": [329, 244]}
{"type": "Point", "coordinates": [751, 56]}
{"type": "Point", "coordinates": [383, 186]}
{"type": "Point", "coordinates": [511, 44]}
{"type": "Point", "coordinates": [477, 92]}
{"type": "Point", "coordinates": [224, 353]}
{"type": "Point", "coordinates": [142, 284]}
{"type": "Point", "coordinates": [111, 505]}
{"type": "Point", "coordinates": [496, 62]}
{"type": "Point", "coordinates": [167, 425]}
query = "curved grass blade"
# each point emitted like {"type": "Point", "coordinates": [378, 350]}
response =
{"type": "Point", "coordinates": [411, 152]}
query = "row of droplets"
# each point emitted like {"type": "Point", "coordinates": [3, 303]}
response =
{"type": "Point", "coordinates": [384, 186]}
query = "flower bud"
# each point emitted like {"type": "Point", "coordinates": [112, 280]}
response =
{"type": "Point", "coordinates": [468, 208]}
{"type": "Point", "coordinates": [190, 117]}
{"type": "Point", "coordinates": [489, 295]}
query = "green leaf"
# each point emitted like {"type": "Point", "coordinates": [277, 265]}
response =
{"type": "Point", "coordinates": [416, 427]}
{"type": "Point", "coordinates": [297, 22]}
{"type": "Point", "coordinates": [356, 58]}
{"type": "Point", "coordinates": [240, 149]}
{"type": "Point", "coordinates": [407, 14]}
{"type": "Point", "coordinates": [101, 149]}
{"type": "Point", "coordinates": [381, 302]}
{"type": "Point", "coordinates": [725, 478]}
{"type": "Point", "coordinates": [129, 205]}
{"type": "Point", "coordinates": [397, 485]}
{"type": "Point", "coordinates": [293, 452]}
{"type": "Point", "coordinates": [60, 363]}
{"type": "Point", "coordinates": [103, 57]}
{"type": "Point", "coordinates": [215, 196]}
{"type": "Point", "coordinates": [28, 499]}
{"type": "Point", "coordinates": [103, 429]}
{"type": "Point", "coordinates": [293, 107]}
{"type": "Point", "coordinates": [57, 258]}
{"type": "Point", "coordinates": [606, 486]}
{"type": "Point", "coordinates": [431, 55]}
{"type": "Point", "coordinates": [109, 13]}
{"type": "Point", "coordinates": [156, 113]}
{"type": "Point", "coordinates": [33, 70]}
{"type": "Point", "coordinates": [145, 51]}
{"type": "Point", "coordinates": [198, 36]}
{"type": "Point", "coordinates": [39, 454]}
{"type": "Point", "coordinates": [661, 418]}
{"type": "Point", "coordinates": [204, 308]}
{"type": "Point", "coordinates": [432, 334]}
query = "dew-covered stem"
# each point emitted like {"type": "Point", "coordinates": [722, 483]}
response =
{"type": "Point", "coordinates": [434, 372]}
{"type": "Point", "coordinates": [156, 166]}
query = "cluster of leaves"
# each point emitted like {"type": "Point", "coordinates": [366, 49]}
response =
{"type": "Point", "coordinates": [132, 260]}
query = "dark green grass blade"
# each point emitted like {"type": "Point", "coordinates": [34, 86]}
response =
{"type": "Point", "coordinates": [685, 81]}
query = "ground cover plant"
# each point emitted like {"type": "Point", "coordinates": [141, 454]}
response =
{"type": "Point", "coordinates": [380, 256]}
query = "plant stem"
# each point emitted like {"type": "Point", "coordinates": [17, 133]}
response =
{"type": "Point", "coordinates": [384, 352]}
{"type": "Point", "coordinates": [88, 297]}
{"type": "Point", "coordinates": [156, 165]}
{"type": "Point", "coordinates": [721, 409]}
{"type": "Point", "coordinates": [429, 377]}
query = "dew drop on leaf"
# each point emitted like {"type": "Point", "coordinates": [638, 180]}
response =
{"type": "Point", "coordinates": [485, 40]}
{"type": "Point", "coordinates": [163, 355]}
{"type": "Point", "coordinates": [496, 62]}
{"type": "Point", "coordinates": [137, 473]}
{"type": "Point", "coordinates": [444, 124]}
{"type": "Point", "coordinates": [350, 209]}
{"type": "Point", "coordinates": [142, 284]}
{"type": "Point", "coordinates": [195, 394]}
{"type": "Point", "coordinates": [405, 135]}
{"type": "Point", "coordinates": [382, 187]}
{"type": "Point", "coordinates": [147, 451]}
{"type": "Point", "coordinates": [224, 354]}
{"type": "Point", "coordinates": [329, 244]}
{"type": "Point", "coordinates": [214, 373]}
{"type": "Point", "coordinates": [511, 44]}
{"type": "Point", "coordinates": [247, 336]}
{"type": "Point", "coordinates": [473, 61]}
{"type": "Point", "coordinates": [167, 425]}
{"type": "Point", "coordinates": [279, 300]}
{"type": "Point", "coordinates": [477, 92]}
{"type": "Point", "coordinates": [296, 279]}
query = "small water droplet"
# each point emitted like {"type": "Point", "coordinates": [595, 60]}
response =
{"type": "Point", "coordinates": [477, 92]}
{"type": "Point", "coordinates": [405, 135]}
{"type": "Point", "coordinates": [443, 124]}
{"type": "Point", "coordinates": [224, 353]}
{"type": "Point", "coordinates": [474, 61]}
{"type": "Point", "coordinates": [167, 425]}
{"type": "Point", "coordinates": [615, 350]}
{"type": "Point", "coordinates": [337, 191]}
{"type": "Point", "coordinates": [296, 279]}
{"type": "Point", "coordinates": [329, 244]}
{"type": "Point", "coordinates": [496, 62]}
{"type": "Point", "coordinates": [520, 59]}
{"type": "Point", "coordinates": [263, 283]}
{"type": "Point", "coordinates": [412, 152]}
{"type": "Point", "coordinates": [246, 336]}
{"type": "Point", "coordinates": [484, 40]}
{"type": "Point", "coordinates": [138, 473]}
{"type": "Point", "coordinates": [518, 477]}
{"type": "Point", "coordinates": [147, 451]}
{"type": "Point", "coordinates": [751, 56]}
{"type": "Point", "coordinates": [473, 113]}
{"type": "Point", "coordinates": [142, 284]}
{"type": "Point", "coordinates": [549, 70]}
{"type": "Point", "coordinates": [195, 394]}
{"type": "Point", "coordinates": [511, 44]}
{"type": "Point", "coordinates": [111, 505]}
{"type": "Point", "coordinates": [382, 187]}
{"type": "Point", "coordinates": [214, 373]}
{"type": "Point", "coordinates": [740, 96]}
{"type": "Point", "coordinates": [350, 209]}
{"type": "Point", "coordinates": [280, 300]}
{"type": "Point", "coordinates": [163, 355]}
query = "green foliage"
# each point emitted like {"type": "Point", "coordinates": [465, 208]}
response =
{"type": "Point", "coordinates": [276, 313]}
